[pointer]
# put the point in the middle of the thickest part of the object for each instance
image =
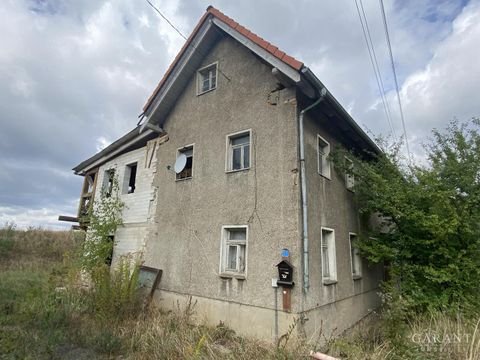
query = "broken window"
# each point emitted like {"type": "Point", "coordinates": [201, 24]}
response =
{"type": "Point", "coordinates": [234, 250]}
{"type": "Point", "coordinates": [108, 180]}
{"type": "Point", "coordinates": [207, 79]}
{"type": "Point", "coordinates": [329, 271]}
{"type": "Point", "coordinates": [86, 197]}
{"type": "Point", "coordinates": [130, 179]}
{"type": "Point", "coordinates": [111, 242]}
{"type": "Point", "coordinates": [323, 149]}
{"type": "Point", "coordinates": [238, 151]}
{"type": "Point", "coordinates": [187, 171]}
{"type": "Point", "coordinates": [355, 257]}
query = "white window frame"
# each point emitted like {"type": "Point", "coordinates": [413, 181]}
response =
{"type": "Point", "coordinates": [179, 151]}
{"type": "Point", "coordinates": [325, 170]}
{"type": "Point", "coordinates": [331, 278]}
{"type": "Point", "coordinates": [229, 150]}
{"type": "Point", "coordinates": [224, 244]}
{"type": "Point", "coordinates": [200, 78]}
{"type": "Point", "coordinates": [349, 177]}
{"type": "Point", "coordinates": [355, 258]}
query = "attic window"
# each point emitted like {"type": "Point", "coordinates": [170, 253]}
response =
{"type": "Point", "coordinates": [130, 179]}
{"type": "Point", "coordinates": [207, 79]}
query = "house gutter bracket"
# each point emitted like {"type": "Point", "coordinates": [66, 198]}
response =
{"type": "Point", "coordinates": [303, 185]}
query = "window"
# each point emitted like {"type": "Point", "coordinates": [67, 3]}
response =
{"type": "Point", "coordinates": [323, 149]}
{"type": "Point", "coordinates": [207, 79]}
{"type": "Point", "coordinates": [349, 176]}
{"type": "Point", "coordinates": [130, 178]}
{"type": "Point", "coordinates": [187, 171]}
{"type": "Point", "coordinates": [109, 257]}
{"type": "Point", "coordinates": [108, 180]}
{"type": "Point", "coordinates": [234, 250]}
{"type": "Point", "coordinates": [238, 151]}
{"type": "Point", "coordinates": [329, 266]}
{"type": "Point", "coordinates": [355, 257]}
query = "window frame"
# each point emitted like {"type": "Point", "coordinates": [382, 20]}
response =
{"type": "Point", "coordinates": [332, 257]}
{"type": "Point", "coordinates": [356, 270]}
{"type": "Point", "coordinates": [126, 178]}
{"type": "Point", "coordinates": [200, 78]}
{"type": "Point", "coordinates": [224, 245]}
{"type": "Point", "coordinates": [229, 150]}
{"type": "Point", "coordinates": [108, 189]}
{"type": "Point", "coordinates": [181, 150]}
{"type": "Point", "coordinates": [349, 177]}
{"type": "Point", "coordinates": [326, 161]}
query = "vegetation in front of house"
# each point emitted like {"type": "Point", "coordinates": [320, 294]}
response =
{"type": "Point", "coordinates": [428, 236]}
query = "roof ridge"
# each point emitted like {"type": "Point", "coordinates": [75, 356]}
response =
{"type": "Point", "coordinates": [264, 44]}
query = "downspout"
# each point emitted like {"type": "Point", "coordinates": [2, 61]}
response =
{"type": "Point", "coordinates": [306, 279]}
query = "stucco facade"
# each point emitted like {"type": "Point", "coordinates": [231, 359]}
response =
{"type": "Point", "coordinates": [179, 225]}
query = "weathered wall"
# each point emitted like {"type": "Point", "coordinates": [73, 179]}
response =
{"type": "Point", "coordinates": [332, 205]}
{"type": "Point", "coordinates": [139, 205]}
{"type": "Point", "coordinates": [185, 241]}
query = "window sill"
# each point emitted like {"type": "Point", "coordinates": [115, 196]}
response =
{"type": "Point", "coordinates": [187, 178]}
{"type": "Point", "coordinates": [232, 275]}
{"type": "Point", "coordinates": [325, 176]}
{"type": "Point", "coordinates": [207, 91]}
{"type": "Point", "coordinates": [329, 282]}
{"type": "Point", "coordinates": [356, 277]}
{"type": "Point", "coordinates": [237, 170]}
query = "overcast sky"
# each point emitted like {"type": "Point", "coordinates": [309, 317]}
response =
{"type": "Point", "coordinates": [74, 75]}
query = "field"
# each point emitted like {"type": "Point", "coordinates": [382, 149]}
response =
{"type": "Point", "coordinates": [46, 313]}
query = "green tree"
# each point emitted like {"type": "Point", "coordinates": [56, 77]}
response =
{"type": "Point", "coordinates": [103, 220]}
{"type": "Point", "coordinates": [429, 233]}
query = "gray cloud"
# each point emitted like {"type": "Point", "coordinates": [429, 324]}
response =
{"type": "Point", "coordinates": [75, 75]}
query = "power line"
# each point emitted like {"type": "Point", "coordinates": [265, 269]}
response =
{"type": "Point", "coordinates": [374, 62]}
{"type": "Point", "coordinates": [387, 36]}
{"type": "Point", "coordinates": [183, 36]}
{"type": "Point", "coordinates": [166, 19]}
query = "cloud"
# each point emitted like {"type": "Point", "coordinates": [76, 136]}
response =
{"type": "Point", "coordinates": [74, 75]}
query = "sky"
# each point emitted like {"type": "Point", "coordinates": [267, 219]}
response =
{"type": "Point", "coordinates": [74, 76]}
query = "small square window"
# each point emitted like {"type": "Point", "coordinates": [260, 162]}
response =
{"type": "Point", "coordinates": [355, 257]}
{"type": "Point", "coordinates": [234, 250]}
{"type": "Point", "coordinates": [207, 79]}
{"type": "Point", "coordinates": [129, 182]}
{"type": "Point", "coordinates": [187, 171]}
{"type": "Point", "coordinates": [349, 176]}
{"type": "Point", "coordinates": [238, 151]}
{"type": "Point", "coordinates": [329, 264]}
{"type": "Point", "coordinates": [323, 150]}
{"type": "Point", "coordinates": [108, 180]}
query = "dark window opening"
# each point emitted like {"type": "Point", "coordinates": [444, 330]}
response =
{"type": "Point", "coordinates": [108, 182]}
{"type": "Point", "coordinates": [108, 259]}
{"type": "Point", "coordinates": [131, 175]}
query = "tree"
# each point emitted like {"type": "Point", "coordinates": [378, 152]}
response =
{"type": "Point", "coordinates": [430, 217]}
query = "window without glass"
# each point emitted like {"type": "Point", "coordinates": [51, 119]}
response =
{"type": "Point", "coordinates": [187, 171]}
{"type": "Point", "coordinates": [238, 151]}
{"type": "Point", "coordinates": [108, 179]}
{"type": "Point", "coordinates": [349, 177]}
{"type": "Point", "coordinates": [207, 79]}
{"type": "Point", "coordinates": [355, 257]}
{"type": "Point", "coordinates": [130, 179]}
{"type": "Point", "coordinates": [323, 149]}
{"type": "Point", "coordinates": [234, 250]}
{"type": "Point", "coordinates": [329, 271]}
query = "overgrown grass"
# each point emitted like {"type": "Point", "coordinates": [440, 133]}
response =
{"type": "Point", "coordinates": [45, 313]}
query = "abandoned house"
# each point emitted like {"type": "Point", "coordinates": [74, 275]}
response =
{"type": "Point", "coordinates": [230, 191]}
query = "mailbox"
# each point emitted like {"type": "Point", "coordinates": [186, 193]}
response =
{"type": "Point", "coordinates": [285, 274]}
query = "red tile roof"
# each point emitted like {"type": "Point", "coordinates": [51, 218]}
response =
{"type": "Point", "coordinates": [287, 59]}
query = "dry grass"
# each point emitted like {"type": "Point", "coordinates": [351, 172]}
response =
{"type": "Point", "coordinates": [39, 322]}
